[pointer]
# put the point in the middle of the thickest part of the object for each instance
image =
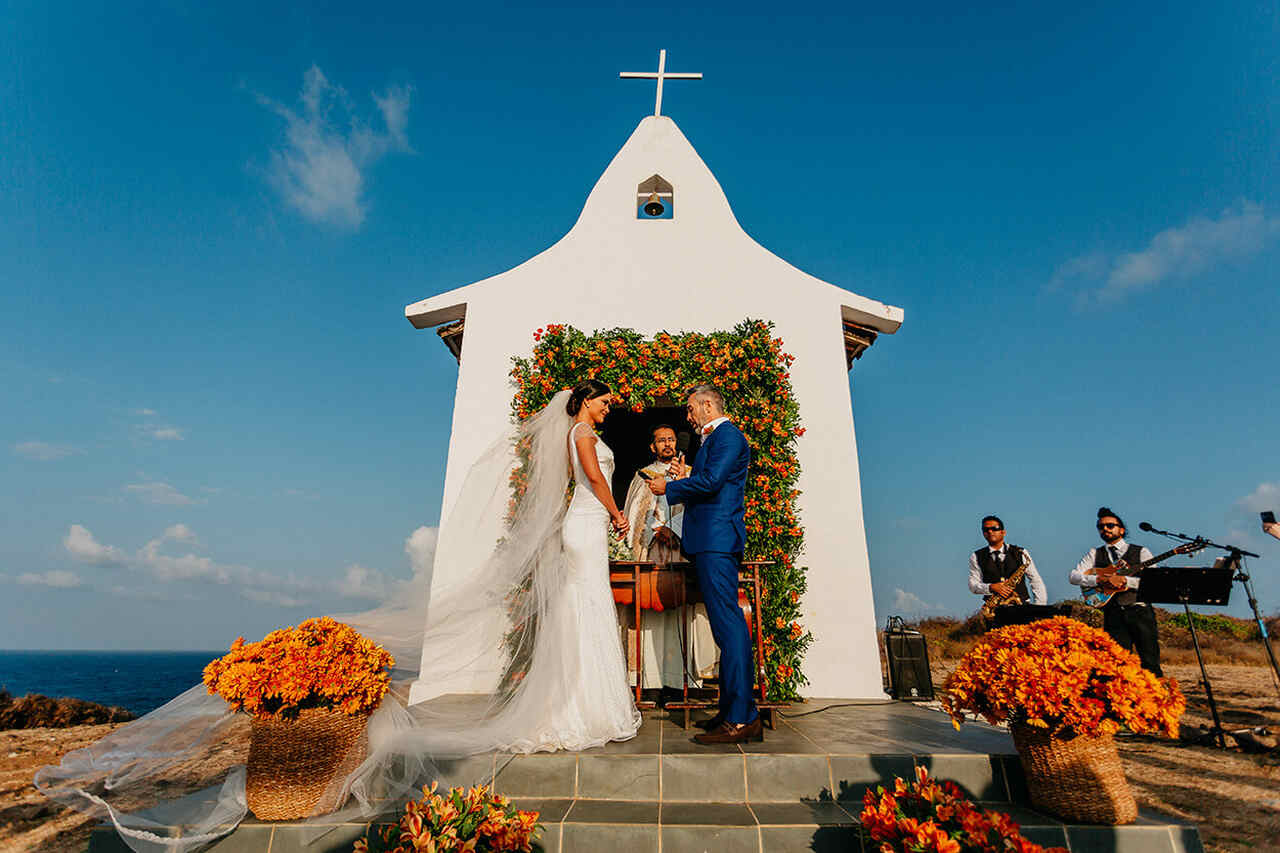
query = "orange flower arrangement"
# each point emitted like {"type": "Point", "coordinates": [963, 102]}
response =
{"type": "Point", "coordinates": [935, 817]}
{"type": "Point", "coordinates": [321, 663]}
{"type": "Point", "coordinates": [751, 366]}
{"type": "Point", "coordinates": [1064, 676]}
{"type": "Point", "coordinates": [461, 821]}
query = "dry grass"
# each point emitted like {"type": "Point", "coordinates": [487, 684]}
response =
{"type": "Point", "coordinates": [1224, 640]}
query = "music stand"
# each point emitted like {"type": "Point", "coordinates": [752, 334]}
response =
{"type": "Point", "coordinates": [1187, 585]}
{"type": "Point", "coordinates": [1022, 614]}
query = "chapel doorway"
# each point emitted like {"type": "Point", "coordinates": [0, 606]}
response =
{"type": "Point", "coordinates": [628, 435]}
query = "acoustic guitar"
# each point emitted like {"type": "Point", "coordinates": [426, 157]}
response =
{"type": "Point", "coordinates": [1096, 596]}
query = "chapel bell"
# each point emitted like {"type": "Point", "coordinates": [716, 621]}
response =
{"type": "Point", "coordinates": [654, 206]}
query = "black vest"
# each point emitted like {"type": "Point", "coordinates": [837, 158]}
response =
{"type": "Point", "coordinates": [992, 572]}
{"type": "Point", "coordinates": [1132, 555]}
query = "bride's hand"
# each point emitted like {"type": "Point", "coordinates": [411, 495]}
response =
{"type": "Point", "coordinates": [621, 524]}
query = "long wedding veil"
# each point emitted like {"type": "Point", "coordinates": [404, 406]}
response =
{"type": "Point", "coordinates": [174, 780]}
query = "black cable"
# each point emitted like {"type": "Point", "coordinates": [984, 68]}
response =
{"type": "Point", "coordinates": [829, 707]}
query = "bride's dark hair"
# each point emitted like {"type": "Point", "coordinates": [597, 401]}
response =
{"type": "Point", "coordinates": [582, 392]}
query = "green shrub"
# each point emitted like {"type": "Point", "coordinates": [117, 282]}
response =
{"type": "Point", "coordinates": [1217, 624]}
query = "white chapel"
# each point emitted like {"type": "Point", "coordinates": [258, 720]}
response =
{"type": "Point", "coordinates": [694, 247]}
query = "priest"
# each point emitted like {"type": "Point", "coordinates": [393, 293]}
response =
{"type": "Point", "coordinates": [655, 536]}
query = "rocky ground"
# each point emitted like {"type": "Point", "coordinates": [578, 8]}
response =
{"type": "Point", "coordinates": [29, 822]}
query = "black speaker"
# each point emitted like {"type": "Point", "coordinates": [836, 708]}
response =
{"type": "Point", "coordinates": [908, 656]}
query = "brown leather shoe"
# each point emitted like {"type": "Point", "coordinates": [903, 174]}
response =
{"type": "Point", "coordinates": [734, 733]}
{"type": "Point", "coordinates": [710, 724]}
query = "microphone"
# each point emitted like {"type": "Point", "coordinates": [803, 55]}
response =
{"type": "Point", "coordinates": [1145, 526]}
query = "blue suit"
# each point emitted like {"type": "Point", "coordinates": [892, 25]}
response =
{"type": "Point", "coordinates": [714, 535]}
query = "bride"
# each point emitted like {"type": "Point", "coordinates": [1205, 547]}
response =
{"type": "Point", "coordinates": [527, 579]}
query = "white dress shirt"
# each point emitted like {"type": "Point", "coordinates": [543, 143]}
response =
{"type": "Point", "coordinates": [1084, 575]}
{"type": "Point", "coordinates": [1035, 583]}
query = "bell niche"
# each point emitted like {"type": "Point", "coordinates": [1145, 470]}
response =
{"type": "Point", "coordinates": [655, 199]}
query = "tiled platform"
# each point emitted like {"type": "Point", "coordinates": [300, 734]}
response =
{"type": "Point", "coordinates": [799, 790]}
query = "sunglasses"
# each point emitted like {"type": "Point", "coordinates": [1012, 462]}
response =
{"type": "Point", "coordinates": [1106, 525]}
{"type": "Point", "coordinates": [989, 529]}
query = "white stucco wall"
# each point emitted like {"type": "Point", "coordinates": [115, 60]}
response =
{"type": "Point", "coordinates": [596, 276]}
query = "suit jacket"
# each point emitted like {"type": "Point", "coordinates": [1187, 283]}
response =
{"type": "Point", "coordinates": [714, 495]}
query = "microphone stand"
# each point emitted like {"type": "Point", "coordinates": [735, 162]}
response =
{"type": "Point", "coordinates": [1235, 561]}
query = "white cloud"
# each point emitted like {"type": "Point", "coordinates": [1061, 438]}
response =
{"type": "Point", "coordinates": [43, 451]}
{"type": "Point", "coordinates": [302, 493]}
{"type": "Point", "coordinates": [263, 596]}
{"type": "Point", "coordinates": [151, 592]}
{"type": "Point", "coordinates": [1266, 496]}
{"type": "Point", "coordinates": [56, 578]}
{"type": "Point", "coordinates": [160, 432]}
{"type": "Point", "coordinates": [328, 148]}
{"type": "Point", "coordinates": [179, 533]}
{"type": "Point", "coordinates": [165, 569]}
{"type": "Point", "coordinates": [81, 544]}
{"type": "Point", "coordinates": [1175, 253]}
{"type": "Point", "coordinates": [421, 548]}
{"type": "Point", "coordinates": [363, 582]}
{"type": "Point", "coordinates": [159, 493]}
{"type": "Point", "coordinates": [911, 605]}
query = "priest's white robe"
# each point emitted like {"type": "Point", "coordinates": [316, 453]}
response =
{"type": "Point", "coordinates": [660, 638]}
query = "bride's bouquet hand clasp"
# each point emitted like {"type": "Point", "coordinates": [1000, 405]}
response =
{"type": "Point", "coordinates": [621, 524]}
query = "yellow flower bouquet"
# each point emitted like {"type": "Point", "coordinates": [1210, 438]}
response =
{"type": "Point", "coordinates": [1065, 689]}
{"type": "Point", "coordinates": [1064, 677]}
{"type": "Point", "coordinates": [461, 821]}
{"type": "Point", "coordinates": [934, 816]}
{"type": "Point", "coordinates": [309, 691]}
{"type": "Point", "coordinates": [321, 663]}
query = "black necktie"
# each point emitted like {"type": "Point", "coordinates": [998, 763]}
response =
{"type": "Point", "coordinates": [1115, 554]}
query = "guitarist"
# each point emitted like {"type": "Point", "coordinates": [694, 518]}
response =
{"type": "Point", "coordinates": [991, 566]}
{"type": "Point", "coordinates": [1130, 623]}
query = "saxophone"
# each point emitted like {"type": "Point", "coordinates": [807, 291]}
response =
{"type": "Point", "coordinates": [992, 601]}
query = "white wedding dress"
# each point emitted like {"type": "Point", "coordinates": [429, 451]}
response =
{"type": "Point", "coordinates": [532, 579]}
{"type": "Point", "coordinates": [581, 634]}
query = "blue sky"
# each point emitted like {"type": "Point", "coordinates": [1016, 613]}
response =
{"type": "Point", "coordinates": [214, 419]}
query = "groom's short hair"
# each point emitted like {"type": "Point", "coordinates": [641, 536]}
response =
{"type": "Point", "coordinates": [708, 392]}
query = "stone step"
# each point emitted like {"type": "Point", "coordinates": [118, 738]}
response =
{"type": "Point", "coordinates": [746, 777]}
{"type": "Point", "coordinates": [624, 826]}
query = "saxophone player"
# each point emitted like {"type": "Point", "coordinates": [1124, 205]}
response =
{"type": "Point", "coordinates": [992, 567]}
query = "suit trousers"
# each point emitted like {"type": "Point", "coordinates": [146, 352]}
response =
{"type": "Point", "coordinates": [1134, 627]}
{"type": "Point", "coordinates": [718, 579]}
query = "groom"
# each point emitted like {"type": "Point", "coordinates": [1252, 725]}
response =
{"type": "Point", "coordinates": [714, 535]}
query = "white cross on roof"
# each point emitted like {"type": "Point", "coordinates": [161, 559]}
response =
{"type": "Point", "coordinates": [663, 74]}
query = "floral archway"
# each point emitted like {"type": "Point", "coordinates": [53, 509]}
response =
{"type": "Point", "coordinates": [749, 365]}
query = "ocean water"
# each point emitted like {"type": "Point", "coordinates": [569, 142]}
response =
{"type": "Point", "coordinates": [138, 681]}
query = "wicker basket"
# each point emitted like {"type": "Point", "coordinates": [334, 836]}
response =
{"type": "Point", "coordinates": [292, 762]}
{"type": "Point", "coordinates": [1078, 778]}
